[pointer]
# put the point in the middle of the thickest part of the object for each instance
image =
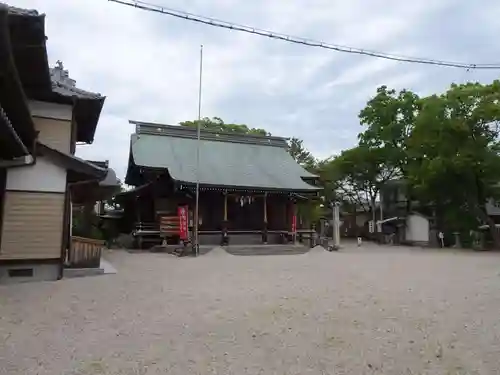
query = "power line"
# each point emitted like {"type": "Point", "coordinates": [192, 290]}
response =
{"type": "Point", "coordinates": [294, 39]}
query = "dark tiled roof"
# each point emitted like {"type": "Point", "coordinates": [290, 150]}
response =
{"type": "Point", "coordinates": [20, 11]}
{"type": "Point", "coordinates": [110, 179]}
{"type": "Point", "coordinates": [66, 90]}
{"type": "Point", "coordinates": [11, 146]}
{"type": "Point", "coordinates": [15, 33]}
{"type": "Point", "coordinates": [87, 106]}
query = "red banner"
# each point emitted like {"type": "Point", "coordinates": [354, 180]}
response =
{"type": "Point", "coordinates": [182, 212]}
{"type": "Point", "coordinates": [294, 223]}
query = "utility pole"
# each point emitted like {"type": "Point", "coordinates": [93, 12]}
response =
{"type": "Point", "coordinates": [197, 204]}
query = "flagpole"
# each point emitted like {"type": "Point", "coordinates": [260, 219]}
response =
{"type": "Point", "coordinates": [197, 208]}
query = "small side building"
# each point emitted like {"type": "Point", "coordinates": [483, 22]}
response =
{"type": "Point", "coordinates": [403, 222]}
{"type": "Point", "coordinates": [42, 116]}
{"type": "Point", "coordinates": [417, 229]}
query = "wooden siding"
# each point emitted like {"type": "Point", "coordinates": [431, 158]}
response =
{"type": "Point", "coordinates": [54, 133]}
{"type": "Point", "coordinates": [32, 225]}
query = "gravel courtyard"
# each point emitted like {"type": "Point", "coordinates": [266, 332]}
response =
{"type": "Point", "coordinates": [358, 311]}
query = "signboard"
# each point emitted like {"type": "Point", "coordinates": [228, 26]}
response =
{"type": "Point", "coordinates": [294, 223]}
{"type": "Point", "coordinates": [182, 212]}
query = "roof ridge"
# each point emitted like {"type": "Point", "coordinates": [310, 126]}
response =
{"type": "Point", "coordinates": [20, 11]}
{"type": "Point", "coordinates": [76, 90]}
{"type": "Point", "coordinates": [206, 134]}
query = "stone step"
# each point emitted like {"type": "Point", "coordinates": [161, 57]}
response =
{"type": "Point", "coordinates": [82, 272]}
{"type": "Point", "coordinates": [267, 249]}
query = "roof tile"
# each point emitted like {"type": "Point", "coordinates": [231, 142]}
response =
{"type": "Point", "coordinates": [221, 163]}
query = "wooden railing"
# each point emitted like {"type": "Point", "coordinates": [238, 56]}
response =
{"type": "Point", "coordinates": [85, 252]}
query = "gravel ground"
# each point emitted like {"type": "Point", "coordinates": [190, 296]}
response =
{"type": "Point", "coordinates": [359, 311]}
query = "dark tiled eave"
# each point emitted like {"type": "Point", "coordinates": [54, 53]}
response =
{"type": "Point", "coordinates": [12, 94]}
{"type": "Point", "coordinates": [11, 146]}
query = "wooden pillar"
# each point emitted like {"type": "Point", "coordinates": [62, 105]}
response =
{"type": "Point", "coordinates": [289, 214]}
{"type": "Point", "coordinates": [101, 208]}
{"type": "Point", "coordinates": [294, 214]}
{"type": "Point", "coordinates": [265, 208]}
{"type": "Point", "coordinates": [138, 209]}
{"type": "Point", "coordinates": [225, 205]}
{"type": "Point", "coordinates": [224, 234]}
{"type": "Point", "coordinates": [264, 229]}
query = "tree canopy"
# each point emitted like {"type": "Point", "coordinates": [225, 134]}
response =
{"type": "Point", "coordinates": [217, 124]}
{"type": "Point", "coordinates": [445, 147]}
{"type": "Point", "coordinates": [453, 150]}
{"type": "Point", "coordinates": [301, 155]}
{"type": "Point", "coordinates": [356, 176]}
{"type": "Point", "coordinates": [295, 145]}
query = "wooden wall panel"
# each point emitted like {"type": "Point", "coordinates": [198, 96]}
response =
{"type": "Point", "coordinates": [32, 225]}
{"type": "Point", "coordinates": [54, 133]}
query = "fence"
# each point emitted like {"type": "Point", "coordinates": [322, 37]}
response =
{"type": "Point", "coordinates": [85, 252]}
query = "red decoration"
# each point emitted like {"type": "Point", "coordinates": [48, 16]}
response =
{"type": "Point", "coordinates": [182, 212]}
{"type": "Point", "coordinates": [294, 223]}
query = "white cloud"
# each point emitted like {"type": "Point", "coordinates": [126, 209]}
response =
{"type": "Point", "coordinates": [147, 64]}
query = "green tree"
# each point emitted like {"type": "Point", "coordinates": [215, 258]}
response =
{"type": "Point", "coordinates": [389, 118]}
{"type": "Point", "coordinates": [218, 125]}
{"type": "Point", "coordinates": [453, 150]}
{"type": "Point", "coordinates": [301, 154]}
{"type": "Point", "coordinates": [356, 176]}
{"type": "Point", "coordinates": [295, 145]}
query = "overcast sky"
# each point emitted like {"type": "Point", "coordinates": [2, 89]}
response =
{"type": "Point", "coordinates": [146, 64]}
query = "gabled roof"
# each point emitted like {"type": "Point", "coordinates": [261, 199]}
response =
{"type": "Point", "coordinates": [225, 159]}
{"type": "Point", "coordinates": [87, 105]}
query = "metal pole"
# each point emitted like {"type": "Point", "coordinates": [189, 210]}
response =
{"type": "Point", "coordinates": [196, 212]}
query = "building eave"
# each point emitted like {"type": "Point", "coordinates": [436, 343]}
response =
{"type": "Point", "coordinates": [80, 169]}
{"type": "Point", "coordinates": [12, 95]}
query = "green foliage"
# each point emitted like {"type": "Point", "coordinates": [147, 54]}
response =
{"type": "Point", "coordinates": [86, 224]}
{"type": "Point", "coordinates": [453, 149]}
{"type": "Point", "coordinates": [389, 118]}
{"type": "Point", "coordinates": [295, 145]}
{"type": "Point", "coordinates": [218, 125]}
{"type": "Point", "coordinates": [301, 154]}
{"type": "Point", "coordinates": [444, 147]}
{"type": "Point", "coordinates": [356, 176]}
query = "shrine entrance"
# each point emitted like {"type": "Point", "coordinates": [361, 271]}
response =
{"type": "Point", "coordinates": [245, 212]}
